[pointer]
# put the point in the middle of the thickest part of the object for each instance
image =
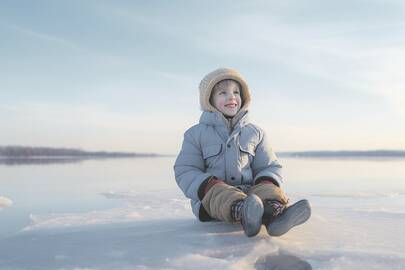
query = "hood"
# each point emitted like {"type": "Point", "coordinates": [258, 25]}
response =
{"type": "Point", "coordinates": [212, 78]}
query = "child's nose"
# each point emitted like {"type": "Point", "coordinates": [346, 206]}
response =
{"type": "Point", "coordinates": [232, 95]}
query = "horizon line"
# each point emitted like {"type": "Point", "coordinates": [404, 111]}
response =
{"type": "Point", "coordinates": [302, 152]}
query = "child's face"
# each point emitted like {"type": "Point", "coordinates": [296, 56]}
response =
{"type": "Point", "coordinates": [226, 97]}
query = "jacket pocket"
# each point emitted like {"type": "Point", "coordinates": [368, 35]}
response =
{"type": "Point", "coordinates": [248, 148]}
{"type": "Point", "coordinates": [211, 150]}
{"type": "Point", "coordinates": [246, 156]}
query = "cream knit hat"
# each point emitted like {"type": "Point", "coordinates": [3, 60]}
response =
{"type": "Point", "coordinates": [212, 78]}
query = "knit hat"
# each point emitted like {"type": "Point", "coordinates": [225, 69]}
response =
{"type": "Point", "coordinates": [212, 78]}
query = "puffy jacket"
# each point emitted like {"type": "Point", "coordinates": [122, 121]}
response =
{"type": "Point", "coordinates": [239, 155]}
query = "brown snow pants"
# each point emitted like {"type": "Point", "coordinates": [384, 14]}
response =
{"type": "Point", "coordinates": [219, 198]}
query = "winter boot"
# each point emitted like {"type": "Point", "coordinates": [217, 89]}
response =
{"type": "Point", "coordinates": [249, 212]}
{"type": "Point", "coordinates": [279, 219]}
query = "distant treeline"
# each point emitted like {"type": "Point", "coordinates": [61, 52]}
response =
{"type": "Point", "coordinates": [32, 152]}
{"type": "Point", "coordinates": [325, 154]}
{"type": "Point", "coordinates": [28, 152]}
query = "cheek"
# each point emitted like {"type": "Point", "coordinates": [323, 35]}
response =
{"type": "Point", "coordinates": [239, 100]}
{"type": "Point", "coordinates": [219, 102]}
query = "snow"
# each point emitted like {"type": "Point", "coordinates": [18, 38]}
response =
{"type": "Point", "coordinates": [151, 231]}
{"type": "Point", "coordinates": [358, 228]}
{"type": "Point", "coordinates": [137, 207]}
{"type": "Point", "coordinates": [5, 202]}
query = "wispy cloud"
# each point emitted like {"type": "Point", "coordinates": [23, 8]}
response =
{"type": "Point", "coordinates": [343, 54]}
{"type": "Point", "coordinates": [332, 52]}
{"type": "Point", "coordinates": [44, 37]}
{"type": "Point", "coordinates": [137, 71]}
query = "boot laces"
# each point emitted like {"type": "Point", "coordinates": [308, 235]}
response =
{"type": "Point", "coordinates": [236, 210]}
{"type": "Point", "coordinates": [272, 209]}
{"type": "Point", "coordinates": [275, 207]}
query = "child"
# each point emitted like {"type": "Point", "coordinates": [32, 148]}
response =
{"type": "Point", "coordinates": [226, 166]}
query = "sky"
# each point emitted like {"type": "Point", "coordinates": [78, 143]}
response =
{"type": "Point", "coordinates": [124, 75]}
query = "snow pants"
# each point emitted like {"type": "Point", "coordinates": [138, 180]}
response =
{"type": "Point", "coordinates": [219, 198]}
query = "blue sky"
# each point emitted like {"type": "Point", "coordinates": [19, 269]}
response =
{"type": "Point", "coordinates": [124, 75]}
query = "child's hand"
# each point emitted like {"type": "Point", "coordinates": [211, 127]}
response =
{"type": "Point", "coordinates": [267, 180]}
{"type": "Point", "coordinates": [207, 185]}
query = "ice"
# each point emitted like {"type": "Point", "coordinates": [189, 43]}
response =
{"type": "Point", "coordinates": [357, 226]}
{"type": "Point", "coordinates": [151, 231]}
{"type": "Point", "coordinates": [144, 206]}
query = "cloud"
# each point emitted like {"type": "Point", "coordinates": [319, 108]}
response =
{"type": "Point", "coordinates": [350, 57]}
{"type": "Point", "coordinates": [383, 75]}
{"type": "Point", "coordinates": [45, 37]}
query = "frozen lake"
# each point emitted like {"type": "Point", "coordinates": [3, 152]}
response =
{"type": "Point", "coordinates": [129, 214]}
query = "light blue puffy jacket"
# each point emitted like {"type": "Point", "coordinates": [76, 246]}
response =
{"type": "Point", "coordinates": [239, 156]}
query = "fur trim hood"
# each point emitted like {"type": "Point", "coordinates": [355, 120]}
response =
{"type": "Point", "coordinates": [212, 78]}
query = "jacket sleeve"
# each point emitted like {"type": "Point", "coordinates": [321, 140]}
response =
{"type": "Point", "coordinates": [265, 163]}
{"type": "Point", "coordinates": [189, 167]}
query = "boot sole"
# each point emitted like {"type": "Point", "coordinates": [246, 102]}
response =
{"type": "Point", "coordinates": [253, 212]}
{"type": "Point", "coordinates": [293, 216]}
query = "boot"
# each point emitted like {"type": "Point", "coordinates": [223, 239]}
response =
{"type": "Point", "coordinates": [249, 212]}
{"type": "Point", "coordinates": [279, 219]}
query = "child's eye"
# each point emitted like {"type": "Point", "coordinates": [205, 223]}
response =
{"type": "Point", "coordinates": [236, 92]}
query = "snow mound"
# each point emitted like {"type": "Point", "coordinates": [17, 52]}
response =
{"type": "Point", "coordinates": [5, 202]}
{"type": "Point", "coordinates": [143, 206]}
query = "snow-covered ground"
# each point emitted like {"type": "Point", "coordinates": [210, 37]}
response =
{"type": "Point", "coordinates": [358, 226]}
{"type": "Point", "coordinates": [5, 202]}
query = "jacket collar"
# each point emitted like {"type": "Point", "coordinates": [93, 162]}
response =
{"type": "Point", "coordinates": [218, 120]}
